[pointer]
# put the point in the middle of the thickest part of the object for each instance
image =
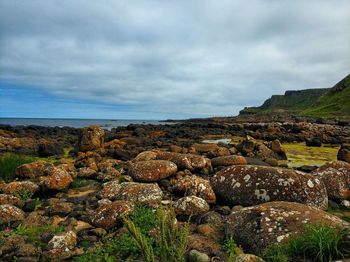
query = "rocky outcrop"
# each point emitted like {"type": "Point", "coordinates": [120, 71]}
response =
{"type": "Point", "coordinates": [152, 170]}
{"type": "Point", "coordinates": [251, 185]}
{"type": "Point", "coordinates": [254, 228]}
{"type": "Point", "coordinates": [336, 177]}
{"type": "Point", "coordinates": [91, 139]}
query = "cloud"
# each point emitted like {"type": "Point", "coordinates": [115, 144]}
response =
{"type": "Point", "coordinates": [182, 58]}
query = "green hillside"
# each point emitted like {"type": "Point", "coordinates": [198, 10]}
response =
{"type": "Point", "coordinates": [324, 102]}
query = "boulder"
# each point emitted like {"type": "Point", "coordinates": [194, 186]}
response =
{"type": "Point", "coordinates": [256, 227]}
{"type": "Point", "coordinates": [185, 161]}
{"type": "Point", "coordinates": [10, 213]}
{"type": "Point", "coordinates": [58, 179]}
{"type": "Point", "coordinates": [10, 200]}
{"type": "Point", "coordinates": [314, 142]}
{"type": "Point", "coordinates": [247, 258]}
{"type": "Point", "coordinates": [143, 193]}
{"type": "Point", "coordinates": [19, 187]}
{"type": "Point", "coordinates": [49, 148]}
{"type": "Point", "coordinates": [252, 185]}
{"type": "Point", "coordinates": [152, 170]}
{"type": "Point", "coordinates": [32, 170]}
{"type": "Point", "coordinates": [336, 177]}
{"type": "Point", "coordinates": [111, 214]}
{"type": "Point", "coordinates": [203, 148]}
{"type": "Point", "coordinates": [344, 153]}
{"type": "Point", "coordinates": [195, 186]}
{"type": "Point", "coordinates": [191, 206]}
{"type": "Point", "coordinates": [61, 246]}
{"type": "Point", "coordinates": [91, 139]}
{"type": "Point", "coordinates": [228, 161]}
{"type": "Point", "coordinates": [277, 148]}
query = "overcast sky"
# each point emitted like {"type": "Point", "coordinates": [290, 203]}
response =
{"type": "Point", "coordinates": [156, 59]}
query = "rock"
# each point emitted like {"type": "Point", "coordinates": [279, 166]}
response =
{"type": "Point", "coordinates": [55, 206]}
{"type": "Point", "coordinates": [32, 170]}
{"type": "Point", "coordinates": [345, 204]}
{"type": "Point", "coordinates": [19, 187]}
{"type": "Point", "coordinates": [58, 179]}
{"type": "Point", "coordinates": [251, 185]}
{"type": "Point", "coordinates": [247, 258]}
{"type": "Point", "coordinates": [146, 156]}
{"type": "Point", "coordinates": [256, 227]}
{"type": "Point", "coordinates": [203, 148]}
{"type": "Point", "coordinates": [344, 153]}
{"type": "Point", "coordinates": [204, 244]}
{"type": "Point", "coordinates": [152, 170]}
{"type": "Point", "coordinates": [49, 148]}
{"type": "Point", "coordinates": [336, 177]}
{"type": "Point", "coordinates": [88, 159]}
{"type": "Point", "coordinates": [110, 215]}
{"type": "Point", "coordinates": [10, 200]}
{"type": "Point", "coordinates": [196, 256]}
{"type": "Point", "coordinates": [10, 213]}
{"type": "Point", "coordinates": [212, 218]}
{"type": "Point", "coordinates": [91, 139]}
{"type": "Point", "coordinates": [86, 172]}
{"type": "Point", "coordinates": [314, 141]}
{"type": "Point", "coordinates": [143, 193]}
{"type": "Point", "coordinates": [277, 148]}
{"type": "Point", "coordinates": [191, 206]}
{"type": "Point", "coordinates": [195, 186]}
{"type": "Point", "coordinates": [228, 161]}
{"type": "Point", "coordinates": [60, 247]}
{"type": "Point", "coordinates": [255, 149]}
{"type": "Point", "coordinates": [185, 161]}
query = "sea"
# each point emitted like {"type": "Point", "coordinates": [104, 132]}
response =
{"type": "Point", "coordinates": [76, 123]}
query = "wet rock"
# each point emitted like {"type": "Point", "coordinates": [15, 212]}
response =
{"type": "Point", "coordinates": [191, 206]}
{"type": "Point", "coordinates": [336, 177]}
{"type": "Point", "coordinates": [58, 179]}
{"type": "Point", "coordinates": [32, 170]}
{"type": "Point", "coordinates": [247, 258]}
{"type": "Point", "coordinates": [344, 153]}
{"type": "Point", "coordinates": [196, 256]}
{"type": "Point", "coordinates": [256, 227]}
{"type": "Point", "coordinates": [195, 186]}
{"type": "Point", "coordinates": [10, 213]}
{"type": "Point", "coordinates": [228, 161]}
{"type": "Point", "coordinates": [143, 193]}
{"type": "Point", "coordinates": [152, 170]}
{"type": "Point", "coordinates": [19, 187]}
{"type": "Point", "coordinates": [185, 161]}
{"type": "Point", "coordinates": [110, 215]}
{"type": "Point", "coordinates": [251, 185]}
{"type": "Point", "coordinates": [10, 200]}
{"type": "Point", "coordinates": [91, 139]}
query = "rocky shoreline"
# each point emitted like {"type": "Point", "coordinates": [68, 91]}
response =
{"type": "Point", "coordinates": [84, 181]}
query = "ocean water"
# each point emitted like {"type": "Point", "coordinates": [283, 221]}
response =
{"type": "Point", "coordinates": [77, 123]}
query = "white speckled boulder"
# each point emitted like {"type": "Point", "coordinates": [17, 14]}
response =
{"type": "Point", "coordinates": [254, 228]}
{"type": "Point", "coordinates": [252, 185]}
{"type": "Point", "coordinates": [191, 206]}
{"type": "Point", "coordinates": [152, 170]}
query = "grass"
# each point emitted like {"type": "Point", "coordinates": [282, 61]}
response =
{"type": "Point", "coordinates": [318, 242]}
{"type": "Point", "coordinates": [231, 248]}
{"type": "Point", "coordinates": [24, 194]}
{"type": "Point", "coordinates": [9, 162]}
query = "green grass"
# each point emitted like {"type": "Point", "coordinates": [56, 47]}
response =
{"type": "Point", "coordinates": [9, 162]}
{"type": "Point", "coordinates": [24, 194]}
{"type": "Point", "coordinates": [231, 248]}
{"type": "Point", "coordinates": [318, 242]}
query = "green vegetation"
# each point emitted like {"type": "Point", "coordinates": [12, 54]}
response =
{"type": "Point", "coordinates": [9, 162]}
{"type": "Point", "coordinates": [24, 194]}
{"type": "Point", "coordinates": [34, 233]}
{"type": "Point", "coordinates": [319, 243]}
{"type": "Point", "coordinates": [231, 248]}
{"type": "Point", "coordinates": [342, 213]}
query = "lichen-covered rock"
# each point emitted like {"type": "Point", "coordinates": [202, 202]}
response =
{"type": "Point", "coordinates": [88, 159]}
{"type": "Point", "coordinates": [56, 206]}
{"type": "Point", "coordinates": [336, 177]}
{"type": "Point", "coordinates": [148, 194]}
{"type": "Point", "coordinates": [185, 161]}
{"type": "Point", "coordinates": [58, 179]}
{"type": "Point", "coordinates": [195, 186]}
{"type": "Point", "coordinates": [146, 156]}
{"type": "Point", "coordinates": [152, 170]}
{"type": "Point", "coordinates": [256, 149]}
{"type": "Point", "coordinates": [60, 247]}
{"type": "Point", "coordinates": [247, 258]}
{"type": "Point", "coordinates": [191, 206]}
{"type": "Point", "coordinates": [277, 148]}
{"type": "Point", "coordinates": [32, 170]}
{"type": "Point", "coordinates": [91, 139]}
{"type": "Point", "coordinates": [256, 227]}
{"type": "Point", "coordinates": [10, 213]}
{"type": "Point", "coordinates": [252, 185]}
{"type": "Point", "coordinates": [86, 172]}
{"type": "Point", "coordinates": [111, 214]}
{"type": "Point", "coordinates": [228, 161]}
{"type": "Point", "coordinates": [10, 200]}
{"type": "Point", "coordinates": [344, 153]}
{"type": "Point", "coordinates": [19, 187]}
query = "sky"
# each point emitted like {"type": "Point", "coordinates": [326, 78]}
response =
{"type": "Point", "coordinates": [156, 59]}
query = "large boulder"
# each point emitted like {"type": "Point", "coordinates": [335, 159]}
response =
{"type": "Point", "coordinates": [252, 185]}
{"type": "Point", "coordinates": [254, 228]}
{"type": "Point", "coordinates": [336, 177]}
{"type": "Point", "coordinates": [195, 186]}
{"type": "Point", "coordinates": [58, 179]}
{"type": "Point", "coordinates": [228, 161]}
{"type": "Point", "coordinates": [344, 153]}
{"type": "Point", "coordinates": [10, 213]}
{"type": "Point", "coordinates": [152, 170]}
{"type": "Point", "coordinates": [32, 170]}
{"type": "Point", "coordinates": [91, 139]}
{"type": "Point", "coordinates": [19, 187]}
{"type": "Point", "coordinates": [148, 194]}
{"type": "Point", "coordinates": [111, 214]}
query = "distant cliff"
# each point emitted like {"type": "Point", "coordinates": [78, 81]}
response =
{"type": "Point", "coordinates": [323, 102]}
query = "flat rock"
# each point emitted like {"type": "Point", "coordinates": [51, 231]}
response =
{"type": "Point", "coordinates": [152, 170]}
{"type": "Point", "coordinates": [228, 160]}
{"type": "Point", "coordinates": [252, 185]}
{"type": "Point", "coordinates": [256, 227]}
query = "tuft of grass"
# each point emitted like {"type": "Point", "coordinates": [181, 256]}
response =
{"type": "Point", "coordinates": [24, 194]}
{"type": "Point", "coordinates": [318, 242]}
{"type": "Point", "coordinates": [231, 248]}
{"type": "Point", "coordinates": [9, 162]}
{"type": "Point", "coordinates": [79, 182]}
